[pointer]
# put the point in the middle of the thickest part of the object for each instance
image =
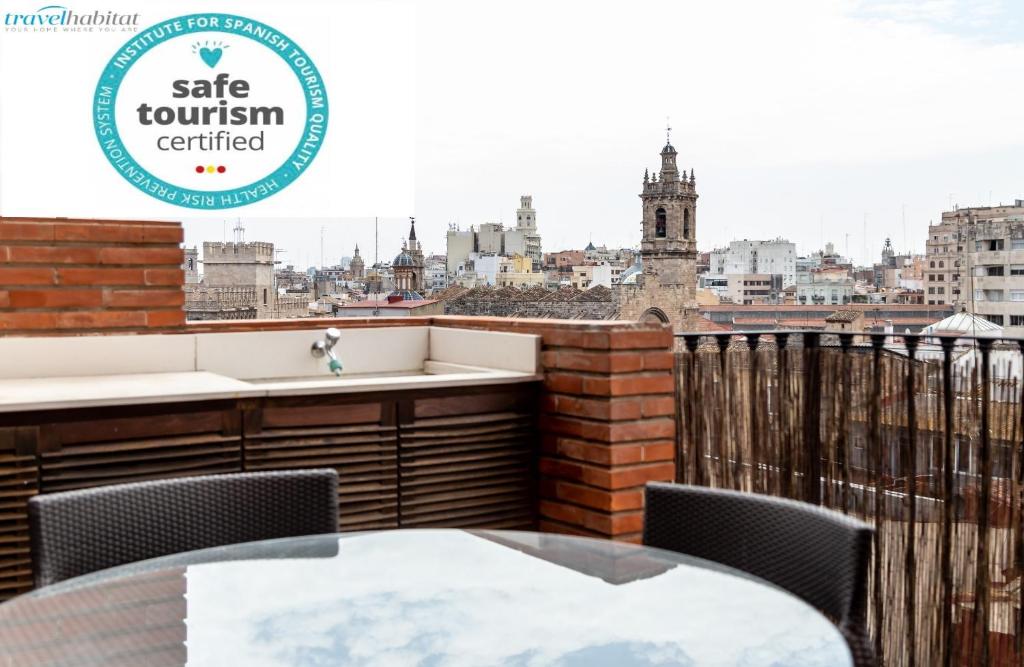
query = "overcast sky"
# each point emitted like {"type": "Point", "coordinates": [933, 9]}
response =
{"type": "Point", "coordinates": [815, 120]}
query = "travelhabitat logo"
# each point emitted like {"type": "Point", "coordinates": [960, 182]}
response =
{"type": "Point", "coordinates": [53, 18]}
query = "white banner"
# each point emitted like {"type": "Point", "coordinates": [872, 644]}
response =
{"type": "Point", "coordinates": [187, 109]}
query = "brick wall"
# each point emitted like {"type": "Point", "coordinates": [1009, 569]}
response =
{"type": "Point", "coordinates": [82, 276]}
{"type": "Point", "coordinates": [607, 420]}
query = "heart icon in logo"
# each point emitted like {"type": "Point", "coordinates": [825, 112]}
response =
{"type": "Point", "coordinates": [211, 56]}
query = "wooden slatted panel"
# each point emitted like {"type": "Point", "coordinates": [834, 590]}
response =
{"type": "Point", "coordinates": [469, 462]}
{"type": "Point", "coordinates": [19, 481]}
{"type": "Point", "coordinates": [135, 449]}
{"type": "Point", "coordinates": [349, 438]}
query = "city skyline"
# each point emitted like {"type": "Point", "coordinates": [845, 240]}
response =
{"type": "Point", "coordinates": [799, 117]}
{"type": "Point", "coordinates": [297, 242]}
{"type": "Point", "coordinates": [874, 137]}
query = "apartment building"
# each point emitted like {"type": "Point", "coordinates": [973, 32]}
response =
{"type": "Point", "coordinates": [777, 256]}
{"type": "Point", "coordinates": [493, 238]}
{"type": "Point", "coordinates": [976, 261]}
{"type": "Point", "coordinates": [755, 289]}
{"type": "Point", "coordinates": [832, 285]}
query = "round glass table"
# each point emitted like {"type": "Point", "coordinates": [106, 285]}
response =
{"type": "Point", "coordinates": [419, 597]}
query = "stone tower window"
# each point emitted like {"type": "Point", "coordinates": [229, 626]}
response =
{"type": "Point", "coordinates": [686, 223]}
{"type": "Point", "coordinates": [660, 229]}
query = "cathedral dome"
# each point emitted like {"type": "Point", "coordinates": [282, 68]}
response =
{"type": "Point", "coordinates": [403, 259]}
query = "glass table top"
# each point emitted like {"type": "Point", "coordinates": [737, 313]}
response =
{"type": "Point", "coordinates": [419, 597]}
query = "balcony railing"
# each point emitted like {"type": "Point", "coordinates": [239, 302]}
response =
{"type": "Point", "coordinates": [919, 436]}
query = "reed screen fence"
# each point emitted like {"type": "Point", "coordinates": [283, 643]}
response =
{"type": "Point", "coordinates": [920, 436]}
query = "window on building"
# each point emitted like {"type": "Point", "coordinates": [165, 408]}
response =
{"type": "Point", "coordinates": [940, 290]}
{"type": "Point", "coordinates": [932, 265]}
{"type": "Point", "coordinates": [1017, 320]}
{"type": "Point", "coordinates": [1017, 244]}
{"type": "Point", "coordinates": [931, 302]}
{"type": "Point", "coordinates": [993, 295]}
{"type": "Point", "coordinates": [1017, 269]}
{"type": "Point", "coordinates": [994, 270]}
{"type": "Point", "coordinates": [994, 319]}
{"type": "Point", "coordinates": [660, 224]}
{"type": "Point", "coordinates": [264, 296]}
{"type": "Point", "coordinates": [979, 295]}
{"type": "Point", "coordinates": [931, 290]}
{"type": "Point", "coordinates": [686, 223]}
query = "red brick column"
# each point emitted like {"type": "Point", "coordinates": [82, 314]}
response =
{"type": "Point", "coordinates": [607, 420]}
{"type": "Point", "coordinates": [78, 276]}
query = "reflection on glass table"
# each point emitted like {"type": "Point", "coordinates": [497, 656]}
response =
{"type": "Point", "coordinates": [412, 597]}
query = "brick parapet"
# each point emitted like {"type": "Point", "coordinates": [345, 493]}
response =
{"type": "Point", "coordinates": [90, 276]}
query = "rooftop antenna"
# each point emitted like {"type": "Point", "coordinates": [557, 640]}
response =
{"type": "Point", "coordinates": [867, 253]}
{"type": "Point", "coordinates": [668, 132]}
{"type": "Point", "coordinates": [905, 249]}
{"type": "Point", "coordinates": [239, 231]}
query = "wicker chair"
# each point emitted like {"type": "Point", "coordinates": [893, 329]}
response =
{"type": "Point", "coordinates": [818, 555]}
{"type": "Point", "coordinates": [77, 532]}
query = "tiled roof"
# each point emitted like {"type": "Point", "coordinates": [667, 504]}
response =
{"type": "Point", "coordinates": [598, 293]}
{"type": "Point", "coordinates": [843, 316]}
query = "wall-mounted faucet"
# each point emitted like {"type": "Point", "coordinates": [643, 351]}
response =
{"type": "Point", "coordinates": [325, 347]}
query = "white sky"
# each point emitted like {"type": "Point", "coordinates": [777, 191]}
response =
{"type": "Point", "coordinates": [802, 118]}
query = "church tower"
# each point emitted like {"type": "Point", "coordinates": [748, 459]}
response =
{"type": "Point", "coordinates": [408, 267]}
{"type": "Point", "coordinates": [665, 289]}
{"type": "Point", "coordinates": [356, 266]}
{"type": "Point", "coordinates": [526, 222]}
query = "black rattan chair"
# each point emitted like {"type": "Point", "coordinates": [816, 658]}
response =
{"type": "Point", "coordinates": [818, 555]}
{"type": "Point", "coordinates": [77, 532]}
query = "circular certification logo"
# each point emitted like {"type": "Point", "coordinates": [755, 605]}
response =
{"type": "Point", "coordinates": [210, 111]}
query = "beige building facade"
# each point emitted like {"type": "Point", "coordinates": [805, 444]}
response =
{"type": "Point", "coordinates": [242, 264]}
{"type": "Point", "coordinates": [975, 261]}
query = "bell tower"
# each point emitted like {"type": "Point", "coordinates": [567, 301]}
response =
{"type": "Point", "coordinates": [666, 287]}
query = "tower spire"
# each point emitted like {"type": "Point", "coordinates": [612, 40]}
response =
{"type": "Point", "coordinates": [668, 132]}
